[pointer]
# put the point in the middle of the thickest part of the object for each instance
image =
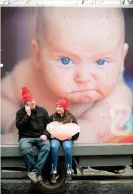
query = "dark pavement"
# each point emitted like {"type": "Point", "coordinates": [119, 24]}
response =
{"type": "Point", "coordinates": [76, 187]}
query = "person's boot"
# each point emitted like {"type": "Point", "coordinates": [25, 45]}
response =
{"type": "Point", "coordinates": [33, 176]}
{"type": "Point", "coordinates": [54, 176]}
{"type": "Point", "coordinates": [68, 176]}
{"type": "Point", "coordinates": [39, 178]}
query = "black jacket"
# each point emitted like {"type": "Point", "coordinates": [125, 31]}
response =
{"type": "Point", "coordinates": [33, 125]}
{"type": "Point", "coordinates": [57, 117]}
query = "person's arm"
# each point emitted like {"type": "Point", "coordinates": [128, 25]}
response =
{"type": "Point", "coordinates": [21, 120]}
{"type": "Point", "coordinates": [51, 118]}
{"type": "Point", "coordinates": [75, 137]}
{"type": "Point", "coordinates": [74, 120]}
{"type": "Point", "coordinates": [46, 121]}
{"type": "Point", "coordinates": [45, 132]}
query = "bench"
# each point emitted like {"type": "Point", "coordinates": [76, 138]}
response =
{"type": "Point", "coordinates": [88, 154]}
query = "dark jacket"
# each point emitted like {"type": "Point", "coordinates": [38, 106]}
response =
{"type": "Point", "coordinates": [57, 117]}
{"type": "Point", "coordinates": [33, 125]}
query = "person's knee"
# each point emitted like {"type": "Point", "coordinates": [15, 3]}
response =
{"type": "Point", "coordinates": [45, 145]}
{"type": "Point", "coordinates": [68, 148]}
{"type": "Point", "coordinates": [45, 148]}
{"type": "Point", "coordinates": [24, 146]}
{"type": "Point", "coordinates": [54, 146]}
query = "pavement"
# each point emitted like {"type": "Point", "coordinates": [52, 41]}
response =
{"type": "Point", "coordinates": [93, 182]}
{"type": "Point", "coordinates": [128, 171]}
{"type": "Point", "coordinates": [75, 187]}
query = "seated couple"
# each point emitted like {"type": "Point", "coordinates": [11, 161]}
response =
{"type": "Point", "coordinates": [31, 122]}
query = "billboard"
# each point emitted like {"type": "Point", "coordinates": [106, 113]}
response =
{"type": "Point", "coordinates": [82, 53]}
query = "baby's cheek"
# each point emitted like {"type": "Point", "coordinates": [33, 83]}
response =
{"type": "Point", "coordinates": [65, 83]}
{"type": "Point", "coordinates": [106, 87]}
{"type": "Point", "coordinates": [111, 78]}
{"type": "Point", "coordinates": [61, 87]}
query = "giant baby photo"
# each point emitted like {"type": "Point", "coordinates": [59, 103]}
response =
{"type": "Point", "coordinates": [82, 53]}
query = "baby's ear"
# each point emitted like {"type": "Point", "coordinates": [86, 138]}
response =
{"type": "Point", "coordinates": [125, 50]}
{"type": "Point", "coordinates": [35, 53]}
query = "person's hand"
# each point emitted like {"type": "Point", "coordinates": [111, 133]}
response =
{"type": "Point", "coordinates": [28, 110]}
{"type": "Point", "coordinates": [70, 138]}
{"type": "Point", "coordinates": [43, 137]}
{"type": "Point", "coordinates": [52, 136]}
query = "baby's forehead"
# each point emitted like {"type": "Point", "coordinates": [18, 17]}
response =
{"type": "Point", "coordinates": [75, 13]}
{"type": "Point", "coordinates": [64, 14]}
{"type": "Point", "coordinates": [82, 17]}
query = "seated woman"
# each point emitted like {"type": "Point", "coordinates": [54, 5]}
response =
{"type": "Point", "coordinates": [64, 116]}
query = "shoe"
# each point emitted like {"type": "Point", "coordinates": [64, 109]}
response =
{"type": "Point", "coordinates": [33, 176]}
{"type": "Point", "coordinates": [54, 177]}
{"type": "Point", "coordinates": [46, 181]}
{"type": "Point", "coordinates": [39, 178]}
{"type": "Point", "coordinates": [68, 176]}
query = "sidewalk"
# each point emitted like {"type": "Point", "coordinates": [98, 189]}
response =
{"type": "Point", "coordinates": [128, 171]}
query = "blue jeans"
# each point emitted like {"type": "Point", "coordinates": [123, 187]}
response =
{"type": "Point", "coordinates": [26, 149]}
{"type": "Point", "coordinates": [67, 147]}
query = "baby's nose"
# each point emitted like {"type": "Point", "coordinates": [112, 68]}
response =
{"type": "Point", "coordinates": [84, 75]}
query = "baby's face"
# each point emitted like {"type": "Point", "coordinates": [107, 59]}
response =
{"type": "Point", "coordinates": [82, 57]}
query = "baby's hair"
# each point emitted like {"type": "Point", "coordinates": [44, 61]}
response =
{"type": "Point", "coordinates": [42, 15]}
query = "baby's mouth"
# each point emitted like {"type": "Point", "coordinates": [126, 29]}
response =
{"type": "Point", "coordinates": [89, 90]}
{"type": "Point", "coordinates": [83, 92]}
{"type": "Point", "coordinates": [84, 95]}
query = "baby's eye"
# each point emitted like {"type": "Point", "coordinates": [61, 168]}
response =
{"type": "Point", "coordinates": [101, 62]}
{"type": "Point", "coordinates": [65, 61]}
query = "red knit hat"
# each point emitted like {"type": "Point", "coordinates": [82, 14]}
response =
{"type": "Point", "coordinates": [63, 102]}
{"type": "Point", "coordinates": [26, 94]}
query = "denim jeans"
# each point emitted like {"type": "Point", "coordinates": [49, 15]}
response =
{"type": "Point", "coordinates": [67, 147]}
{"type": "Point", "coordinates": [26, 149]}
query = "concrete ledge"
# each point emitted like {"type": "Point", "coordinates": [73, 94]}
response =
{"type": "Point", "coordinates": [78, 150]}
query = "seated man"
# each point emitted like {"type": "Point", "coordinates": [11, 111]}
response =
{"type": "Point", "coordinates": [31, 122]}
